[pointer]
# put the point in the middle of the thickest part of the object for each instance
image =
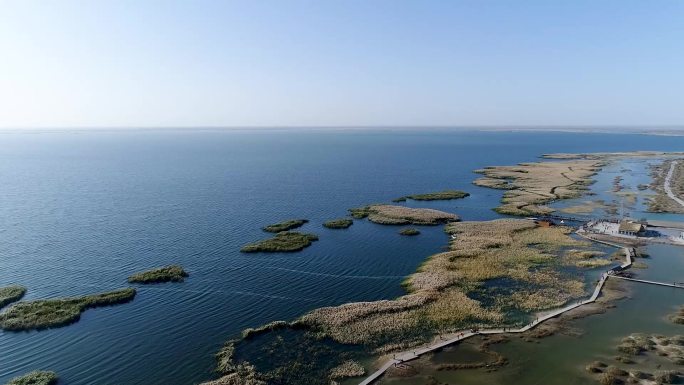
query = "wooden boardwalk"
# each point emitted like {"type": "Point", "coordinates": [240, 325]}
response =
{"type": "Point", "coordinates": [673, 284]}
{"type": "Point", "coordinates": [459, 336]}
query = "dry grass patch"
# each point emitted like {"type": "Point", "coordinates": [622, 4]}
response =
{"type": "Point", "coordinates": [400, 215]}
{"type": "Point", "coordinates": [347, 369]}
{"type": "Point", "coordinates": [531, 185]}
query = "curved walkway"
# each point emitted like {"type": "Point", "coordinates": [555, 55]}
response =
{"type": "Point", "coordinates": [459, 336]}
{"type": "Point", "coordinates": [667, 184]}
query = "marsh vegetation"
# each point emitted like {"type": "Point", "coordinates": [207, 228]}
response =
{"type": "Point", "coordinates": [9, 294]}
{"type": "Point", "coordinates": [452, 290]}
{"type": "Point", "coordinates": [409, 231]}
{"type": "Point", "coordinates": [435, 196]}
{"type": "Point", "coordinates": [650, 352]}
{"type": "Point", "coordinates": [50, 313]}
{"type": "Point", "coordinates": [171, 273]}
{"type": "Point", "coordinates": [37, 377]}
{"type": "Point", "coordinates": [286, 241]}
{"type": "Point", "coordinates": [341, 223]}
{"type": "Point", "coordinates": [532, 185]}
{"type": "Point", "coordinates": [400, 215]}
{"type": "Point", "coordinates": [285, 225]}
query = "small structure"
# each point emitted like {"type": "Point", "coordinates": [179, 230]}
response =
{"type": "Point", "coordinates": [631, 228]}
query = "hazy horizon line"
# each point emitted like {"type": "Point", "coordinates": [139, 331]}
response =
{"type": "Point", "coordinates": [550, 127]}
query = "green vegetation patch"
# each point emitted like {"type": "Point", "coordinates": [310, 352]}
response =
{"type": "Point", "coordinates": [360, 212]}
{"type": "Point", "coordinates": [171, 273]}
{"type": "Point", "coordinates": [285, 225]}
{"type": "Point", "coordinates": [9, 294]}
{"type": "Point", "coordinates": [37, 377]}
{"type": "Point", "coordinates": [50, 313]}
{"type": "Point", "coordinates": [410, 231]}
{"type": "Point", "coordinates": [341, 223]}
{"type": "Point", "coordinates": [285, 241]}
{"type": "Point", "coordinates": [435, 196]}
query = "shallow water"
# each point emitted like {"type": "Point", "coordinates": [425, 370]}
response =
{"type": "Point", "coordinates": [79, 212]}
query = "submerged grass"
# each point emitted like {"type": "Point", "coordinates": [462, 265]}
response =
{"type": "Point", "coordinates": [50, 313]}
{"type": "Point", "coordinates": [37, 377]}
{"type": "Point", "coordinates": [286, 241]}
{"type": "Point", "coordinates": [341, 223]}
{"type": "Point", "coordinates": [171, 273]}
{"type": "Point", "coordinates": [285, 225]}
{"type": "Point", "coordinates": [9, 294]}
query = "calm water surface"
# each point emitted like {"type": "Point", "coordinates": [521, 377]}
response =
{"type": "Point", "coordinates": [79, 212]}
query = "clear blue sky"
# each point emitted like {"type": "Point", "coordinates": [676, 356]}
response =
{"type": "Point", "coordinates": [336, 63]}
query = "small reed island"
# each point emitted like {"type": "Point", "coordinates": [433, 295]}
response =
{"type": "Point", "coordinates": [9, 294]}
{"type": "Point", "coordinates": [51, 313]}
{"type": "Point", "coordinates": [400, 215]}
{"type": "Point", "coordinates": [285, 225]}
{"type": "Point", "coordinates": [409, 231]}
{"type": "Point", "coordinates": [435, 196]}
{"type": "Point", "coordinates": [341, 223]}
{"type": "Point", "coordinates": [286, 241]}
{"type": "Point", "coordinates": [37, 377]}
{"type": "Point", "coordinates": [171, 273]}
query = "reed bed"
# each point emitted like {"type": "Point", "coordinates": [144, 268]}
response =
{"type": "Point", "coordinates": [285, 225]}
{"type": "Point", "coordinates": [171, 273]}
{"type": "Point", "coordinates": [51, 313]}
{"type": "Point", "coordinates": [347, 369]}
{"type": "Point", "coordinates": [9, 294]}
{"type": "Point", "coordinates": [435, 196]}
{"type": "Point", "coordinates": [286, 241]}
{"type": "Point", "coordinates": [244, 375]}
{"type": "Point", "coordinates": [400, 215]}
{"type": "Point", "coordinates": [438, 300]}
{"type": "Point", "coordinates": [410, 231]}
{"type": "Point", "coordinates": [37, 377]}
{"type": "Point", "coordinates": [531, 185]}
{"type": "Point", "coordinates": [341, 223]}
{"type": "Point", "coordinates": [678, 316]}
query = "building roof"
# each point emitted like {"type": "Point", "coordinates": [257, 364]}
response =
{"type": "Point", "coordinates": [630, 227]}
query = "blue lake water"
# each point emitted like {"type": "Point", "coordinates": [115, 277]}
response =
{"type": "Point", "coordinates": [80, 211]}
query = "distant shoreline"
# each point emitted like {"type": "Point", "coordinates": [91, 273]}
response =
{"type": "Point", "coordinates": [630, 130]}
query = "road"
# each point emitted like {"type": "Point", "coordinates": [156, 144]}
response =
{"type": "Point", "coordinates": [668, 180]}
